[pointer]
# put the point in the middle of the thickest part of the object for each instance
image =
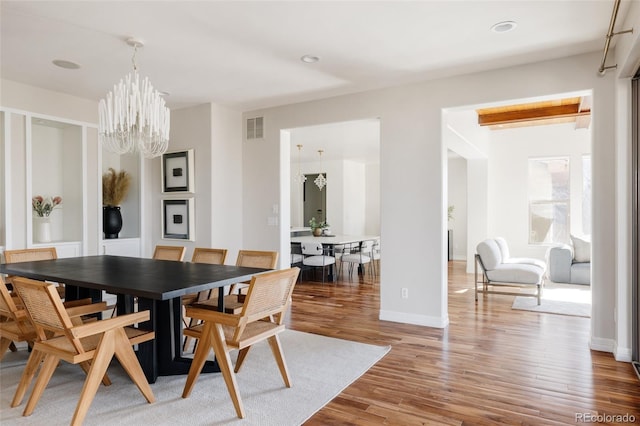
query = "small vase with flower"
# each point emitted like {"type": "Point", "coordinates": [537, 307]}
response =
{"type": "Point", "coordinates": [317, 227]}
{"type": "Point", "coordinates": [42, 208]}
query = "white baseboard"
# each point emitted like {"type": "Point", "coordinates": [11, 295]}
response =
{"type": "Point", "coordinates": [602, 345]}
{"type": "Point", "coordinates": [609, 345]}
{"type": "Point", "coordinates": [622, 354]}
{"type": "Point", "coordinates": [406, 318]}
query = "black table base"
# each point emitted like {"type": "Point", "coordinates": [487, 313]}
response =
{"type": "Point", "coordinates": [161, 356]}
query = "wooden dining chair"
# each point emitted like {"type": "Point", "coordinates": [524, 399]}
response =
{"type": "Point", "coordinates": [254, 259]}
{"type": "Point", "coordinates": [249, 258]}
{"type": "Point", "coordinates": [31, 254]}
{"type": "Point", "coordinates": [212, 256]}
{"type": "Point", "coordinates": [59, 337]}
{"type": "Point", "coordinates": [169, 253]}
{"type": "Point", "coordinates": [262, 318]}
{"type": "Point", "coordinates": [14, 323]}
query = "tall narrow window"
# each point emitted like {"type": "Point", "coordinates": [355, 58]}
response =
{"type": "Point", "coordinates": [549, 200]}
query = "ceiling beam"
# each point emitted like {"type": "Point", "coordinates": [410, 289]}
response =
{"type": "Point", "coordinates": [532, 114]}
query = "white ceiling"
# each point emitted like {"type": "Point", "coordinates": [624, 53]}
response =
{"type": "Point", "coordinates": [246, 55]}
{"type": "Point", "coordinates": [357, 141]}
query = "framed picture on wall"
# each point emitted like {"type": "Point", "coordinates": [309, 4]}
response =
{"type": "Point", "coordinates": [178, 219]}
{"type": "Point", "coordinates": [177, 172]}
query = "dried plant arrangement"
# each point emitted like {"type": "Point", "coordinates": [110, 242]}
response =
{"type": "Point", "coordinates": [115, 186]}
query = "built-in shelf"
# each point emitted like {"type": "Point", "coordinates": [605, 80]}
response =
{"type": "Point", "coordinates": [130, 208]}
{"type": "Point", "coordinates": [56, 169]}
{"type": "Point", "coordinates": [53, 156]}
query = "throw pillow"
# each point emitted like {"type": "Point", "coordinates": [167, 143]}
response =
{"type": "Point", "coordinates": [581, 249]}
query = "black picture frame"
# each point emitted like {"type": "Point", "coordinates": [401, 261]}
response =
{"type": "Point", "coordinates": [178, 219]}
{"type": "Point", "coordinates": [177, 172]}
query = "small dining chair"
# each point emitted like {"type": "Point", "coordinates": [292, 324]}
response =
{"type": "Point", "coordinates": [29, 255]}
{"type": "Point", "coordinates": [14, 323]}
{"type": "Point", "coordinates": [175, 253]}
{"type": "Point", "coordinates": [315, 257]}
{"type": "Point", "coordinates": [359, 255]}
{"type": "Point", "coordinates": [255, 259]}
{"type": "Point", "coordinates": [92, 345]}
{"type": "Point", "coordinates": [261, 318]}
{"type": "Point", "coordinates": [212, 256]}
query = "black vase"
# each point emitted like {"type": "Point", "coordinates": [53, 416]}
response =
{"type": "Point", "coordinates": [111, 221]}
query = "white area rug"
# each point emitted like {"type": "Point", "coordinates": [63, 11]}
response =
{"type": "Point", "coordinates": [320, 368]}
{"type": "Point", "coordinates": [562, 299]}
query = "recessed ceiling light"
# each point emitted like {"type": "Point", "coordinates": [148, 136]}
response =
{"type": "Point", "coordinates": [309, 59]}
{"type": "Point", "coordinates": [504, 26]}
{"type": "Point", "coordinates": [65, 64]}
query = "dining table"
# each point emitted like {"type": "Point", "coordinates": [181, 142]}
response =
{"type": "Point", "coordinates": [156, 285]}
{"type": "Point", "coordinates": [331, 241]}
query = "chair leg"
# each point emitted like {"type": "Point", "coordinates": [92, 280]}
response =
{"type": "Point", "coordinates": [539, 293]}
{"type": "Point", "coordinates": [276, 348]}
{"type": "Point", "coordinates": [199, 358]}
{"type": "Point", "coordinates": [224, 360]}
{"type": "Point", "coordinates": [102, 358]}
{"type": "Point", "coordinates": [187, 339]}
{"type": "Point", "coordinates": [86, 366]}
{"type": "Point", "coordinates": [129, 361]}
{"type": "Point", "coordinates": [46, 371]}
{"type": "Point", "coordinates": [33, 363]}
{"type": "Point", "coordinates": [4, 345]}
{"type": "Point", "coordinates": [242, 355]}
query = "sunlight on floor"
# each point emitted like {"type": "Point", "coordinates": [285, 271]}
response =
{"type": "Point", "coordinates": [567, 293]}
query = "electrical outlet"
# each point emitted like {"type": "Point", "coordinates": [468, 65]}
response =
{"type": "Point", "coordinates": [405, 293]}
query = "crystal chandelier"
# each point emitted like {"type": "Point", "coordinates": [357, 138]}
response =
{"type": "Point", "coordinates": [133, 117]}
{"type": "Point", "coordinates": [320, 181]}
{"type": "Point", "coordinates": [299, 177]}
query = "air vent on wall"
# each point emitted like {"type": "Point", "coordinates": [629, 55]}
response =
{"type": "Point", "coordinates": [255, 128]}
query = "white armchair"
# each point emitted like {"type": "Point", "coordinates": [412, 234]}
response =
{"type": "Point", "coordinates": [498, 268]}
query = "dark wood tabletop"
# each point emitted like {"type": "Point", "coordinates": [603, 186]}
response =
{"type": "Point", "coordinates": [158, 285]}
{"type": "Point", "coordinates": [141, 277]}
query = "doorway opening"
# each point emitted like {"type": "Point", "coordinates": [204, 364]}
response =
{"type": "Point", "coordinates": [488, 176]}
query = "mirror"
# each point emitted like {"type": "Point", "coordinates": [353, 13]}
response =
{"type": "Point", "coordinates": [314, 201]}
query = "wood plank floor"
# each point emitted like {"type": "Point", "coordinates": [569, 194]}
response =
{"type": "Point", "coordinates": [491, 365]}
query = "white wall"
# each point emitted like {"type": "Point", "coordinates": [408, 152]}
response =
{"type": "Point", "coordinates": [190, 129]}
{"type": "Point", "coordinates": [457, 197]}
{"type": "Point", "coordinates": [213, 132]}
{"type": "Point", "coordinates": [413, 207]}
{"type": "Point", "coordinates": [226, 181]}
{"type": "Point", "coordinates": [372, 199]}
{"type": "Point", "coordinates": [510, 150]}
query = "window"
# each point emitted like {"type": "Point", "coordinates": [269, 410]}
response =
{"type": "Point", "coordinates": [549, 200]}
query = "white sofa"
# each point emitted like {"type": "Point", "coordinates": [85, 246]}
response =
{"type": "Point", "coordinates": [565, 268]}
{"type": "Point", "coordinates": [500, 269]}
